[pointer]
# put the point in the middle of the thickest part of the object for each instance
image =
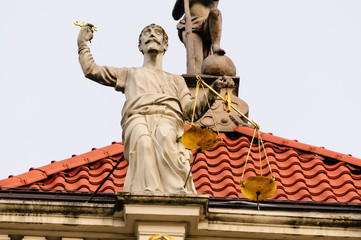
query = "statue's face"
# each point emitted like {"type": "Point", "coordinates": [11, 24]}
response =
{"type": "Point", "coordinates": [152, 39]}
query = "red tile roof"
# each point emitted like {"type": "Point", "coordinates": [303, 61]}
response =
{"type": "Point", "coordinates": [302, 172]}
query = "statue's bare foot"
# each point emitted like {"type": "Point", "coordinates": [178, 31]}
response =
{"type": "Point", "coordinates": [218, 50]}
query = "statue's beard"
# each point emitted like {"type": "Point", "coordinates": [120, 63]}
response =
{"type": "Point", "coordinates": [155, 48]}
{"type": "Point", "coordinates": [155, 51]}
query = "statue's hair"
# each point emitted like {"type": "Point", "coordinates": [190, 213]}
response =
{"type": "Point", "coordinates": [165, 36]}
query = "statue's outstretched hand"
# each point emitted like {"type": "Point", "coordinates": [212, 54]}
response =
{"type": "Point", "coordinates": [85, 34]}
{"type": "Point", "coordinates": [223, 82]}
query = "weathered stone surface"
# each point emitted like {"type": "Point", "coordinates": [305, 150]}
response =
{"type": "Point", "coordinates": [218, 65]}
{"type": "Point", "coordinates": [161, 199]}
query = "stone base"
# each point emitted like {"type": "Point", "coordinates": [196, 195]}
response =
{"type": "Point", "coordinates": [159, 213]}
{"type": "Point", "coordinates": [161, 199]}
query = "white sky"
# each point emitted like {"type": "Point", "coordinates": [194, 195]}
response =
{"type": "Point", "coordinates": [299, 62]}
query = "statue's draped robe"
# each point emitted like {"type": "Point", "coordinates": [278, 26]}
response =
{"type": "Point", "coordinates": [157, 103]}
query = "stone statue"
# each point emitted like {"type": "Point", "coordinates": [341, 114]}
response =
{"type": "Point", "coordinates": [157, 104]}
{"type": "Point", "coordinates": [206, 24]}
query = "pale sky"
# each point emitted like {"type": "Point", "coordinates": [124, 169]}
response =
{"type": "Point", "coordinates": [299, 62]}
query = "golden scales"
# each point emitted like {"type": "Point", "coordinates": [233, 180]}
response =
{"type": "Point", "coordinates": [196, 138]}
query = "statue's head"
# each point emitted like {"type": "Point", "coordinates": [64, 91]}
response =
{"type": "Point", "coordinates": [153, 37]}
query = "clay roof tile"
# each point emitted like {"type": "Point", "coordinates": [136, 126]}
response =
{"type": "Point", "coordinates": [302, 172]}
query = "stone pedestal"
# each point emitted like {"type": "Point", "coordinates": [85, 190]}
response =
{"type": "Point", "coordinates": [226, 122]}
{"type": "Point", "coordinates": [154, 214]}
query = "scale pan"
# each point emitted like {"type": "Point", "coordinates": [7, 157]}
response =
{"type": "Point", "coordinates": [199, 138]}
{"type": "Point", "coordinates": [258, 188]}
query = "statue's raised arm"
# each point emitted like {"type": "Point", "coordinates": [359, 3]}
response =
{"type": "Point", "coordinates": [101, 74]}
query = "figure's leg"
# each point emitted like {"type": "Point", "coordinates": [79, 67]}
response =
{"type": "Point", "coordinates": [143, 172]}
{"type": "Point", "coordinates": [149, 171]}
{"type": "Point", "coordinates": [173, 164]}
{"type": "Point", "coordinates": [214, 27]}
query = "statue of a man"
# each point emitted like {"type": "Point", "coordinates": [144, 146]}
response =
{"type": "Point", "coordinates": [157, 103]}
{"type": "Point", "coordinates": [206, 23]}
